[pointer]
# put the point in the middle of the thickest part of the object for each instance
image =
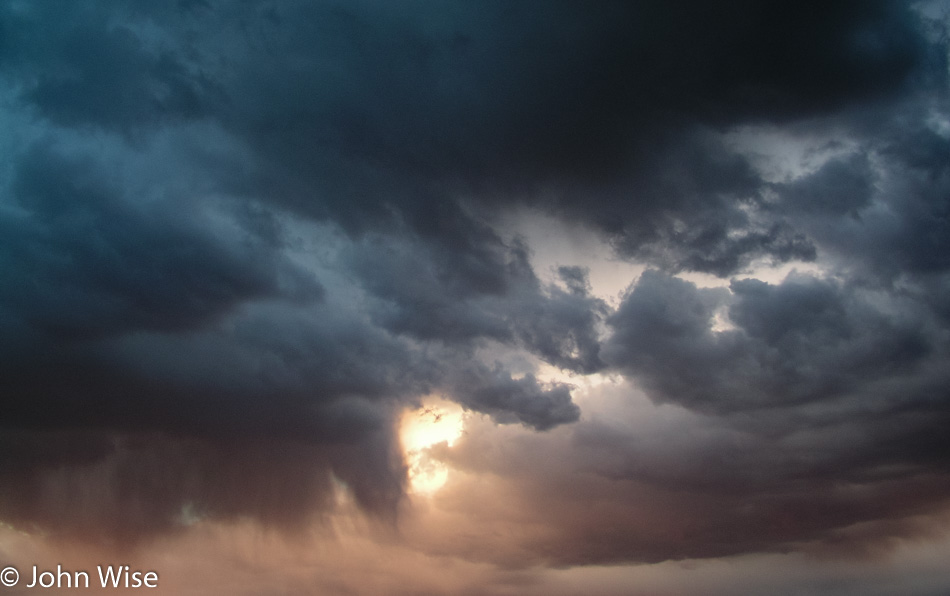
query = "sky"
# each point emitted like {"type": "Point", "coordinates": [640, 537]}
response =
{"type": "Point", "coordinates": [477, 298]}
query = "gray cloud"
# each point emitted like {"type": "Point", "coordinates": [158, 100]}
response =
{"type": "Point", "coordinates": [101, 262]}
{"type": "Point", "coordinates": [723, 487]}
{"type": "Point", "coordinates": [88, 65]}
{"type": "Point", "coordinates": [236, 239]}
{"type": "Point", "coordinates": [885, 220]}
{"type": "Point", "coordinates": [801, 341]}
{"type": "Point", "coordinates": [477, 288]}
{"type": "Point", "coordinates": [506, 399]}
{"type": "Point", "coordinates": [116, 490]}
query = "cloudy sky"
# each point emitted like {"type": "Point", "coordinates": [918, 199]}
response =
{"type": "Point", "coordinates": [533, 297]}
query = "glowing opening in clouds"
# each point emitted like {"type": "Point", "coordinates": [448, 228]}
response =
{"type": "Point", "coordinates": [438, 421]}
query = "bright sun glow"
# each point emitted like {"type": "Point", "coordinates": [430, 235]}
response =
{"type": "Point", "coordinates": [438, 421]}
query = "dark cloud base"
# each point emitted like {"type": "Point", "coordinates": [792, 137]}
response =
{"type": "Point", "coordinates": [115, 491]}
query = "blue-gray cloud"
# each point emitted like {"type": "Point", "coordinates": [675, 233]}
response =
{"type": "Point", "coordinates": [275, 224]}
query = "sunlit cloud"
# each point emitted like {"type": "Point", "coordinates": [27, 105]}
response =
{"type": "Point", "coordinates": [437, 422]}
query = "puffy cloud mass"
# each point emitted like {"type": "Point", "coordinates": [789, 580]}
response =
{"type": "Point", "coordinates": [238, 242]}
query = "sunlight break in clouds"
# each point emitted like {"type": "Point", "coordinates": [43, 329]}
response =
{"type": "Point", "coordinates": [437, 421]}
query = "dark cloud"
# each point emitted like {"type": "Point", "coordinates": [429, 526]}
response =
{"type": "Point", "coordinates": [360, 113]}
{"type": "Point", "coordinates": [85, 259]}
{"type": "Point", "coordinates": [237, 239]}
{"type": "Point", "coordinates": [887, 220]}
{"type": "Point", "coordinates": [318, 378]}
{"type": "Point", "coordinates": [614, 488]}
{"type": "Point", "coordinates": [364, 115]}
{"type": "Point", "coordinates": [478, 287]}
{"type": "Point", "coordinates": [606, 107]}
{"type": "Point", "coordinates": [82, 66]}
{"type": "Point", "coordinates": [801, 341]}
{"type": "Point", "coordinates": [842, 187]}
{"type": "Point", "coordinates": [114, 490]}
{"type": "Point", "coordinates": [506, 399]}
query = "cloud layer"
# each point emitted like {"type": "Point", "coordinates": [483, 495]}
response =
{"type": "Point", "coordinates": [237, 241]}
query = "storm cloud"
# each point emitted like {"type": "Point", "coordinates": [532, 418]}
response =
{"type": "Point", "coordinates": [239, 241]}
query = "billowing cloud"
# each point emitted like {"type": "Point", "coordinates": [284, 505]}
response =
{"type": "Point", "coordinates": [804, 340]}
{"type": "Point", "coordinates": [238, 241]}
